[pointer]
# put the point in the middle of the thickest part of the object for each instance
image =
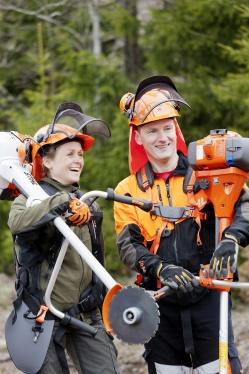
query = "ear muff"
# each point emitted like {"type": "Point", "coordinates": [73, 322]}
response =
{"type": "Point", "coordinates": [43, 136]}
{"type": "Point", "coordinates": [24, 152]}
{"type": "Point", "coordinates": [40, 138]}
{"type": "Point", "coordinates": [126, 104]}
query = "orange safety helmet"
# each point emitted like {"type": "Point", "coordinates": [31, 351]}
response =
{"type": "Point", "coordinates": [156, 98]}
{"type": "Point", "coordinates": [61, 133]}
{"type": "Point", "coordinates": [69, 123]}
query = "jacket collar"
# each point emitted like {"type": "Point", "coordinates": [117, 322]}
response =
{"type": "Point", "coordinates": [182, 165]}
{"type": "Point", "coordinates": [73, 188]}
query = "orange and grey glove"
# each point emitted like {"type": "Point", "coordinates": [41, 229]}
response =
{"type": "Point", "coordinates": [177, 278]}
{"type": "Point", "coordinates": [78, 212]}
{"type": "Point", "coordinates": [224, 260]}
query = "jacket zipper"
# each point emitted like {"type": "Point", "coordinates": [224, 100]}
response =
{"type": "Point", "coordinates": [94, 228]}
{"type": "Point", "coordinates": [170, 204]}
{"type": "Point", "coordinates": [168, 193]}
{"type": "Point", "coordinates": [159, 194]}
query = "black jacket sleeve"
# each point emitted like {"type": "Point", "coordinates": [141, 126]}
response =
{"type": "Point", "coordinates": [240, 226]}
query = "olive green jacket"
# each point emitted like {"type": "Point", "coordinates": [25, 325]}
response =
{"type": "Point", "coordinates": [34, 225]}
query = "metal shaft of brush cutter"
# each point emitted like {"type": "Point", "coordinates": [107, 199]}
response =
{"type": "Point", "coordinates": [83, 251]}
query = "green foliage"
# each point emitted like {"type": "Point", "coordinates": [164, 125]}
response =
{"type": "Point", "coordinates": [233, 90]}
{"type": "Point", "coordinates": [6, 263]}
{"type": "Point", "coordinates": [119, 22]}
{"type": "Point", "coordinates": [186, 41]}
{"type": "Point", "coordinates": [186, 37]}
{"type": "Point", "coordinates": [54, 69]}
{"type": "Point", "coordinates": [202, 45]}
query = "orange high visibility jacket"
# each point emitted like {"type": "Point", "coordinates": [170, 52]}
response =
{"type": "Point", "coordinates": [137, 229]}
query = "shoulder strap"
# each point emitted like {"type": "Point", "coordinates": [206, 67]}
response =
{"type": "Point", "coordinates": [189, 183]}
{"type": "Point", "coordinates": [51, 190]}
{"type": "Point", "coordinates": [145, 177]}
{"type": "Point", "coordinates": [95, 229]}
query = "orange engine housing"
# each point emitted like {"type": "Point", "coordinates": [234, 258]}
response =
{"type": "Point", "coordinates": [219, 150]}
{"type": "Point", "coordinates": [221, 165]}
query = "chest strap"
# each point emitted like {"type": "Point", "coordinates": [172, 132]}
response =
{"type": "Point", "coordinates": [145, 181]}
{"type": "Point", "coordinates": [175, 215]}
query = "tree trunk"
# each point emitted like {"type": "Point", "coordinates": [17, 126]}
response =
{"type": "Point", "coordinates": [93, 6]}
{"type": "Point", "coordinates": [132, 52]}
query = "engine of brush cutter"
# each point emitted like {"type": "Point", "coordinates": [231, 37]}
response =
{"type": "Point", "coordinates": [14, 149]}
{"type": "Point", "coordinates": [220, 149]}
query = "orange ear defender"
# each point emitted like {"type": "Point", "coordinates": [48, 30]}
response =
{"type": "Point", "coordinates": [25, 148]}
{"type": "Point", "coordinates": [126, 103]}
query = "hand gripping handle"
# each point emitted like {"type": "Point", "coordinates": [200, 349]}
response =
{"type": "Point", "coordinates": [130, 200]}
{"type": "Point", "coordinates": [163, 292]}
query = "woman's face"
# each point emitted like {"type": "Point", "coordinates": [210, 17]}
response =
{"type": "Point", "coordinates": [67, 164]}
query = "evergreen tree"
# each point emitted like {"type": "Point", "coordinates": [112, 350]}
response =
{"type": "Point", "coordinates": [186, 42]}
{"type": "Point", "coordinates": [233, 90]}
{"type": "Point", "coordinates": [94, 52]}
{"type": "Point", "coordinates": [49, 63]}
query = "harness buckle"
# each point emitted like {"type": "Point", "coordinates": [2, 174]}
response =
{"type": "Point", "coordinates": [40, 318]}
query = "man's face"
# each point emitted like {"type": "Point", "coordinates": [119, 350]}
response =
{"type": "Point", "coordinates": [67, 164]}
{"type": "Point", "coordinates": [158, 139]}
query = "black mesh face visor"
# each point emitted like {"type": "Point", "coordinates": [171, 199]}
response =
{"type": "Point", "coordinates": [71, 114]}
{"type": "Point", "coordinates": [165, 85]}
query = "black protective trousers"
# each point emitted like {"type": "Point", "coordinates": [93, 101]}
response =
{"type": "Point", "coordinates": [188, 337]}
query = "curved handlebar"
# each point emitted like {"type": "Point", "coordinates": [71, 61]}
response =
{"type": "Point", "coordinates": [130, 200]}
{"type": "Point", "coordinates": [111, 195]}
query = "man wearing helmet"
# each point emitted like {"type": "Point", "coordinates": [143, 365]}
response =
{"type": "Point", "coordinates": [58, 162]}
{"type": "Point", "coordinates": [166, 251]}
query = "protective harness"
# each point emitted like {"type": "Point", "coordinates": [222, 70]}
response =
{"type": "Point", "coordinates": [30, 293]}
{"type": "Point", "coordinates": [145, 181]}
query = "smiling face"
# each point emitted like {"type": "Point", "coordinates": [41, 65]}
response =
{"type": "Point", "coordinates": [66, 164]}
{"type": "Point", "coordinates": [159, 141]}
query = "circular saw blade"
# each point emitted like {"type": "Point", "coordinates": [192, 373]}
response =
{"type": "Point", "coordinates": [134, 315]}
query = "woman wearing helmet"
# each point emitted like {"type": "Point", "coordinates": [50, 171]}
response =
{"type": "Point", "coordinates": [58, 163]}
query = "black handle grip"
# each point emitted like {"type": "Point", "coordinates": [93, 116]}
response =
{"type": "Point", "coordinates": [130, 200]}
{"type": "Point", "coordinates": [76, 323]}
{"type": "Point", "coordinates": [83, 326]}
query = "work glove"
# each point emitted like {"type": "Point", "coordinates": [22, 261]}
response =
{"type": "Point", "coordinates": [224, 260]}
{"type": "Point", "coordinates": [177, 278]}
{"type": "Point", "coordinates": [78, 212]}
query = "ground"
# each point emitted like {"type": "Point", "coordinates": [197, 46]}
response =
{"type": "Point", "coordinates": [130, 356]}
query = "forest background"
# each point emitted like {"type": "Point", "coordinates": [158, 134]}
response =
{"type": "Point", "coordinates": [92, 52]}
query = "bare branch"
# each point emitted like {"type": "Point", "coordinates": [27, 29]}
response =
{"type": "Point", "coordinates": [55, 14]}
{"type": "Point", "coordinates": [46, 18]}
{"type": "Point", "coordinates": [53, 5]}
